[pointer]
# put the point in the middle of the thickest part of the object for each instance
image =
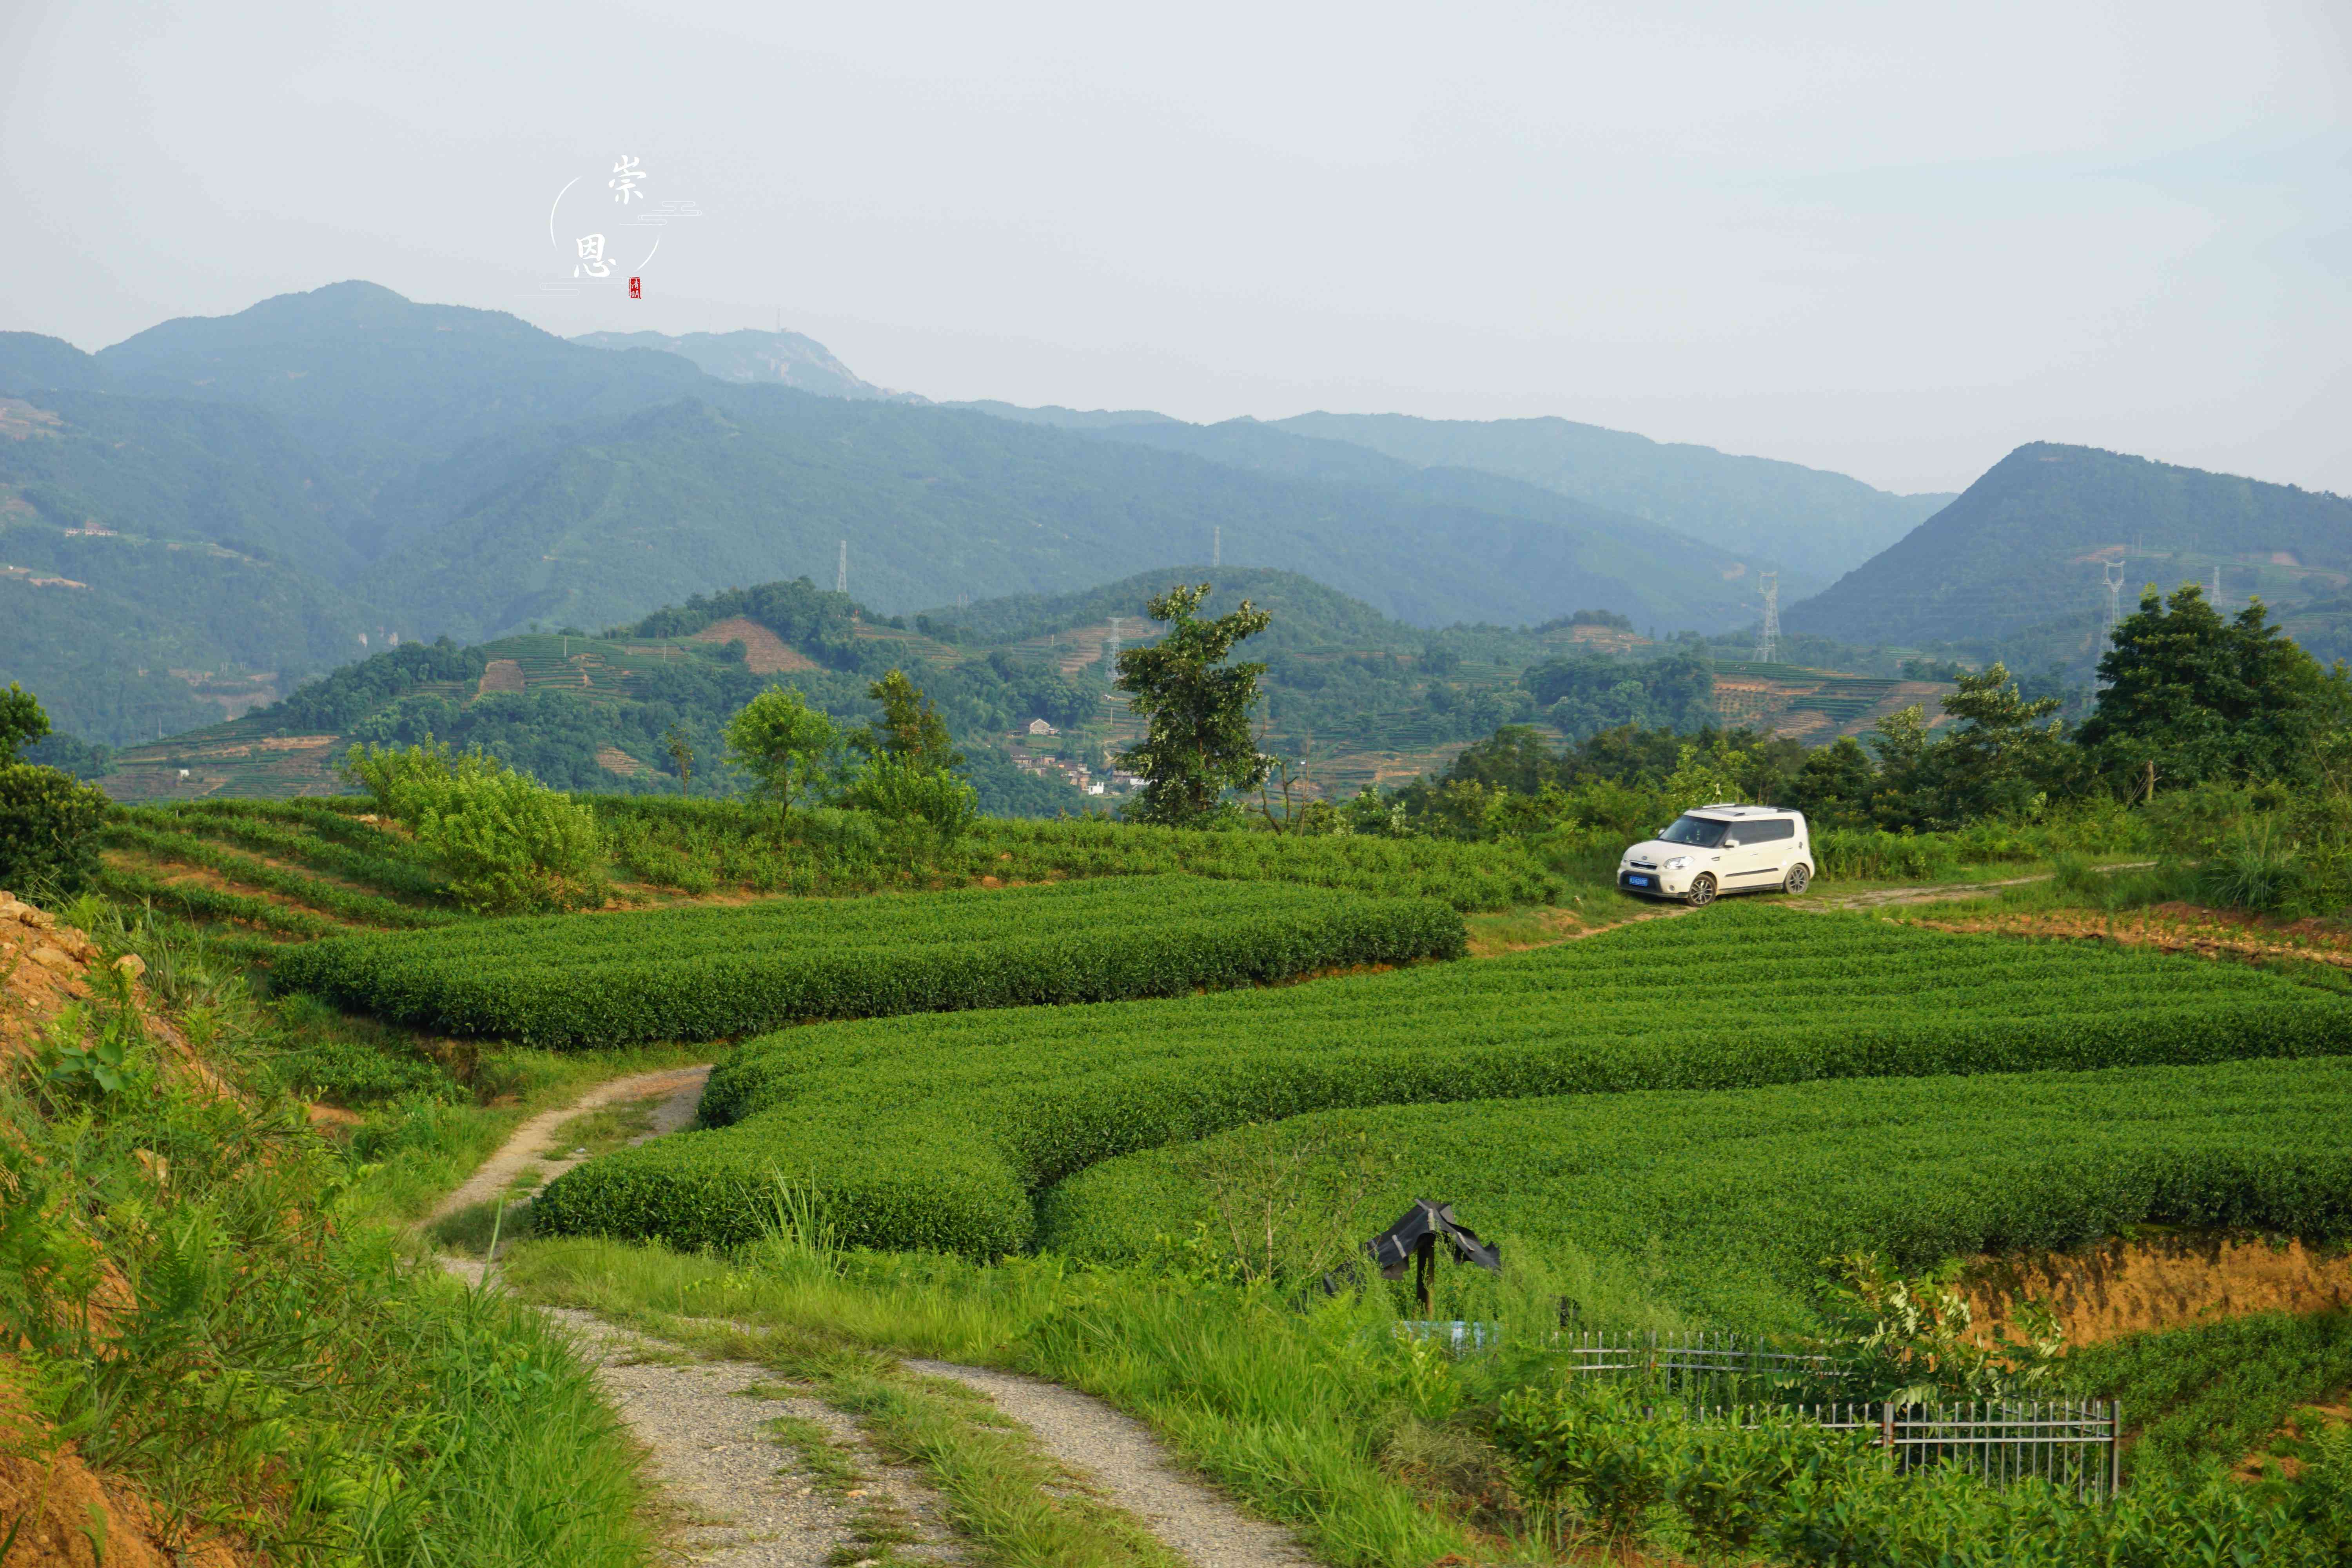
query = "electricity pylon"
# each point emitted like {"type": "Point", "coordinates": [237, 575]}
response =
{"type": "Point", "coordinates": [1768, 642]}
{"type": "Point", "coordinates": [841, 572]}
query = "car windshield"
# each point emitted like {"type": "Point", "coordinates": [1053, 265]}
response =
{"type": "Point", "coordinates": [1697, 830]}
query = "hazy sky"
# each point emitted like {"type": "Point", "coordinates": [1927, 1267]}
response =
{"type": "Point", "coordinates": [1896, 240]}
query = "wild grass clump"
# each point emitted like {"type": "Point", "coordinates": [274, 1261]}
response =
{"type": "Point", "coordinates": [191, 1304]}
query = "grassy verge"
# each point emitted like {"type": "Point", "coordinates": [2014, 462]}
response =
{"type": "Point", "coordinates": [193, 1302]}
{"type": "Point", "coordinates": [1306, 1416]}
{"type": "Point", "coordinates": [1382, 1451]}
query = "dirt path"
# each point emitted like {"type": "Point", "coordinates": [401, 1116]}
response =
{"type": "Point", "coordinates": [1942, 892]}
{"type": "Point", "coordinates": [1121, 1455]}
{"type": "Point", "coordinates": [744, 1501]}
{"type": "Point", "coordinates": [680, 1089]}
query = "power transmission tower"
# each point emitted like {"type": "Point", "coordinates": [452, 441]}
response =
{"type": "Point", "coordinates": [841, 572]}
{"type": "Point", "coordinates": [1110, 647]}
{"type": "Point", "coordinates": [1217, 546]}
{"type": "Point", "coordinates": [1768, 644]}
{"type": "Point", "coordinates": [2115, 571]}
{"type": "Point", "coordinates": [2217, 585]}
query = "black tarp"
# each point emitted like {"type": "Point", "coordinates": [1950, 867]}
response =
{"type": "Point", "coordinates": [1419, 1231]}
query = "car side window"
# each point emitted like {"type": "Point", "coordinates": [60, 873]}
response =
{"type": "Point", "coordinates": [1768, 832]}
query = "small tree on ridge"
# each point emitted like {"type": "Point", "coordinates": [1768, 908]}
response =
{"type": "Point", "coordinates": [1196, 709]}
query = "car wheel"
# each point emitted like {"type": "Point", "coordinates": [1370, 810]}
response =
{"type": "Point", "coordinates": [1702, 889]}
{"type": "Point", "coordinates": [1799, 879]}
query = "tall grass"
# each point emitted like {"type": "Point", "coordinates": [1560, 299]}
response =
{"type": "Point", "coordinates": [191, 1299]}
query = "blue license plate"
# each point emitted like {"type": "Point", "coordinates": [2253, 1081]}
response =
{"type": "Point", "coordinates": [1639, 881]}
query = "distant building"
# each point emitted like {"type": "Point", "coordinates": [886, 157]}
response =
{"type": "Point", "coordinates": [1039, 727]}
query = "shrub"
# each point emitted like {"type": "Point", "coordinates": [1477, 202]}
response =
{"type": "Point", "coordinates": [48, 826]}
{"type": "Point", "coordinates": [939, 1132]}
{"type": "Point", "coordinates": [708, 973]}
{"type": "Point", "coordinates": [903, 791]}
{"type": "Point", "coordinates": [503, 841]}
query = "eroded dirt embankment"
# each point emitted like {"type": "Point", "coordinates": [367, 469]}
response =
{"type": "Point", "coordinates": [54, 1511]}
{"type": "Point", "coordinates": [2178, 1280]}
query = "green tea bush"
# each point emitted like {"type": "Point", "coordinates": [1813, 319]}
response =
{"type": "Point", "coordinates": [1729, 1201]}
{"type": "Point", "coordinates": [700, 845]}
{"type": "Point", "coordinates": [712, 973]}
{"type": "Point", "coordinates": [169, 843]}
{"type": "Point", "coordinates": [942, 1132]}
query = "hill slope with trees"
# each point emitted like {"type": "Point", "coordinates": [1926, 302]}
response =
{"type": "Point", "coordinates": [2030, 545]}
{"type": "Point", "coordinates": [1817, 523]}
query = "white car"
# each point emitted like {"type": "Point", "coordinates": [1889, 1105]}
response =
{"type": "Point", "coordinates": [1712, 849]}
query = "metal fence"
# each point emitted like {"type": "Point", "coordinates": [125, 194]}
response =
{"type": "Point", "coordinates": [1743, 1379]}
{"type": "Point", "coordinates": [1710, 1368]}
{"type": "Point", "coordinates": [2070, 1445]}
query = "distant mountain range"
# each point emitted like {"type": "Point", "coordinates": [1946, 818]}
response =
{"type": "Point", "coordinates": [1816, 524]}
{"type": "Point", "coordinates": [195, 519]}
{"type": "Point", "coordinates": [777, 358]}
{"type": "Point", "coordinates": [328, 472]}
{"type": "Point", "coordinates": [2023, 557]}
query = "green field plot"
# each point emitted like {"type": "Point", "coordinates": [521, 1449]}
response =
{"type": "Point", "coordinates": [701, 846]}
{"type": "Point", "coordinates": [1725, 1204]}
{"type": "Point", "coordinates": [712, 973]}
{"type": "Point", "coordinates": [944, 1132]}
{"type": "Point", "coordinates": [296, 868]}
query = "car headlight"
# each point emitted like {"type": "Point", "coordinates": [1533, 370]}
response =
{"type": "Point", "coordinates": [1678, 862]}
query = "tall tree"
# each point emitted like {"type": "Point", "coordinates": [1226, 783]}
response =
{"type": "Point", "coordinates": [784, 744]}
{"type": "Point", "coordinates": [2198, 697]}
{"type": "Point", "coordinates": [1196, 709]}
{"type": "Point", "coordinates": [910, 729]}
{"type": "Point", "coordinates": [22, 722]}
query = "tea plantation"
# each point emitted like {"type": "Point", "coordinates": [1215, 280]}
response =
{"type": "Point", "coordinates": [1730, 1200]}
{"type": "Point", "coordinates": [700, 974]}
{"type": "Point", "coordinates": [942, 1132]}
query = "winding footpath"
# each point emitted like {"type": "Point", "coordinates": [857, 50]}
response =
{"type": "Point", "coordinates": [741, 1497]}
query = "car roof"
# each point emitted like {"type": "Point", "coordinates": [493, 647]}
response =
{"type": "Point", "coordinates": [1738, 813]}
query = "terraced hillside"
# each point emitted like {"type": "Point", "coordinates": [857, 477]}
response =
{"type": "Point", "coordinates": [957, 1132]}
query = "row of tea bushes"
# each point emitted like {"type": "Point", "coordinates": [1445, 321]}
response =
{"type": "Point", "coordinates": [713, 972]}
{"type": "Point", "coordinates": [1725, 1204]}
{"type": "Point", "coordinates": [939, 1132]}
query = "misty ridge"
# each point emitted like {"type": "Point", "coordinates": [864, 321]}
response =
{"type": "Point", "coordinates": [198, 518]}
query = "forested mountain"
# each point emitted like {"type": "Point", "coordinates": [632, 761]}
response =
{"type": "Point", "coordinates": [1816, 523]}
{"type": "Point", "coordinates": [380, 386]}
{"type": "Point", "coordinates": [357, 467]}
{"type": "Point", "coordinates": [2023, 557]}
{"type": "Point", "coordinates": [786, 358]}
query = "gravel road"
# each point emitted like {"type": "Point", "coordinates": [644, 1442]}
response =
{"type": "Point", "coordinates": [745, 1501]}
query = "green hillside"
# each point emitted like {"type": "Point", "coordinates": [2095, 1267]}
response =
{"type": "Point", "coordinates": [387, 469]}
{"type": "Point", "coordinates": [786, 358]}
{"type": "Point", "coordinates": [746, 484]}
{"type": "Point", "coordinates": [1816, 523]}
{"type": "Point", "coordinates": [2021, 557]}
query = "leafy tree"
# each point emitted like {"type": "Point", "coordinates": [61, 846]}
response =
{"type": "Point", "coordinates": [1197, 742]}
{"type": "Point", "coordinates": [1835, 786]}
{"type": "Point", "coordinates": [784, 744]}
{"type": "Point", "coordinates": [2001, 760]}
{"type": "Point", "coordinates": [22, 722]}
{"type": "Point", "coordinates": [2196, 696]}
{"type": "Point", "coordinates": [504, 842]}
{"type": "Point", "coordinates": [48, 821]}
{"type": "Point", "coordinates": [910, 729]}
{"type": "Point", "coordinates": [681, 753]}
